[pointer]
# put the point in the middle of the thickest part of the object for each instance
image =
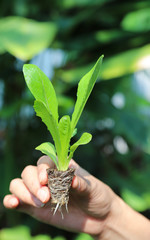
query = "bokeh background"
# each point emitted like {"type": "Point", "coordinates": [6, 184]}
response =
{"type": "Point", "coordinates": [65, 38]}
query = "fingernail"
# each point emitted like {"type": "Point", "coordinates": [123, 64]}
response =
{"type": "Point", "coordinates": [13, 202]}
{"type": "Point", "coordinates": [38, 202]}
{"type": "Point", "coordinates": [42, 177]}
{"type": "Point", "coordinates": [42, 195]}
{"type": "Point", "coordinates": [74, 182]}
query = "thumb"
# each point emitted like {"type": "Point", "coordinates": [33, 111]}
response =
{"type": "Point", "coordinates": [81, 182]}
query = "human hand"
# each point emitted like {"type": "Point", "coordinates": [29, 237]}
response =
{"type": "Point", "coordinates": [90, 203]}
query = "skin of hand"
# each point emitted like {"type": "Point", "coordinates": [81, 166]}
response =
{"type": "Point", "coordinates": [93, 207]}
{"type": "Point", "coordinates": [89, 204]}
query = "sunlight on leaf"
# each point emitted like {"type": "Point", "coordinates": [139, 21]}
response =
{"type": "Point", "coordinates": [85, 87]}
{"type": "Point", "coordinates": [117, 66]}
{"type": "Point", "coordinates": [125, 63]}
{"type": "Point", "coordinates": [41, 88]}
{"type": "Point", "coordinates": [48, 149]}
{"type": "Point", "coordinates": [24, 38]}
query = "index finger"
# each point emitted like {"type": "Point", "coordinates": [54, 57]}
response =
{"type": "Point", "coordinates": [42, 164]}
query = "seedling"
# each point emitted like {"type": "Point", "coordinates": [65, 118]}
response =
{"type": "Point", "coordinates": [46, 107]}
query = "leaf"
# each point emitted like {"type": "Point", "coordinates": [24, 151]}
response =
{"type": "Point", "coordinates": [17, 233]}
{"type": "Point", "coordinates": [65, 135]}
{"type": "Point", "coordinates": [41, 88]}
{"type": "Point", "coordinates": [24, 38]}
{"type": "Point", "coordinates": [84, 236]}
{"type": "Point", "coordinates": [126, 63]}
{"type": "Point", "coordinates": [84, 139]}
{"type": "Point", "coordinates": [110, 36]}
{"type": "Point", "coordinates": [50, 122]}
{"type": "Point", "coordinates": [79, 3]}
{"type": "Point", "coordinates": [85, 87]}
{"type": "Point", "coordinates": [48, 149]}
{"type": "Point", "coordinates": [135, 201]}
{"type": "Point", "coordinates": [74, 132]}
{"type": "Point", "coordinates": [119, 65]}
{"type": "Point", "coordinates": [42, 237]}
{"type": "Point", "coordinates": [59, 238]}
{"type": "Point", "coordinates": [46, 107]}
{"type": "Point", "coordinates": [137, 21]}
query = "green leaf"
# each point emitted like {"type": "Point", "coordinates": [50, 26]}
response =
{"type": "Point", "coordinates": [41, 88]}
{"type": "Point", "coordinates": [109, 36]}
{"type": "Point", "coordinates": [137, 21]}
{"type": "Point", "coordinates": [79, 3]}
{"type": "Point", "coordinates": [50, 122]}
{"type": "Point", "coordinates": [48, 149]}
{"type": "Point", "coordinates": [135, 201]}
{"type": "Point", "coordinates": [65, 135]}
{"type": "Point", "coordinates": [59, 238]}
{"type": "Point", "coordinates": [74, 132]}
{"type": "Point", "coordinates": [17, 233]}
{"type": "Point", "coordinates": [24, 38]}
{"type": "Point", "coordinates": [46, 107]}
{"type": "Point", "coordinates": [84, 236]}
{"type": "Point", "coordinates": [42, 237]}
{"type": "Point", "coordinates": [119, 65]}
{"type": "Point", "coordinates": [85, 87]}
{"type": "Point", "coordinates": [84, 139]}
{"type": "Point", "coordinates": [126, 63]}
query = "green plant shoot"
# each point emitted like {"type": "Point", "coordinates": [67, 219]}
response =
{"type": "Point", "coordinates": [46, 107]}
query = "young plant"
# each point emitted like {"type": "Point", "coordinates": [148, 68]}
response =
{"type": "Point", "coordinates": [63, 129]}
{"type": "Point", "coordinates": [46, 107]}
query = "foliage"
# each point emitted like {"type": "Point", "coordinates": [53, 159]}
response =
{"type": "Point", "coordinates": [137, 21]}
{"type": "Point", "coordinates": [23, 232]}
{"type": "Point", "coordinates": [24, 38]}
{"type": "Point", "coordinates": [117, 114]}
{"type": "Point", "coordinates": [46, 107]}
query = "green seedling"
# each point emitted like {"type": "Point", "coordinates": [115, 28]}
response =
{"type": "Point", "coordinates": [46, 107]}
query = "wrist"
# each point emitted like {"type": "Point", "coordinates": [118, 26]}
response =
{"type": "Point", "coordinates": [123, 223]}
{"type": "Point", "coordinates": [108, 232]}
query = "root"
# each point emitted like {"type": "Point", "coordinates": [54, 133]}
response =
{"type": "Point", "coordinates": [59, 183]}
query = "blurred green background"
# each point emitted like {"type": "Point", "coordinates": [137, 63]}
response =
{"type": "Point", "coordinates": [65, 38]}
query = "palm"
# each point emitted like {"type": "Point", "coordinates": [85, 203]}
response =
{"type": "Point", "coordinates": [81, 214]}
{"type": "Point", "coordinates": [89, 204]}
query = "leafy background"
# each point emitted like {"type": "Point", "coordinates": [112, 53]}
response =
{"type": "Point", "coordinates": [65, 38]}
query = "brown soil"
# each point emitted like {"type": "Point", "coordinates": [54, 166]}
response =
{"type": "Point", "coordinates": [59, 183]}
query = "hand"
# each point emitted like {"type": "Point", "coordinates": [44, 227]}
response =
{"type": "Point", "coordinates": [90, 204]}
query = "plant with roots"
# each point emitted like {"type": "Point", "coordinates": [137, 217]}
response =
{"type": "Point", "coordinates": [62, 130]}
